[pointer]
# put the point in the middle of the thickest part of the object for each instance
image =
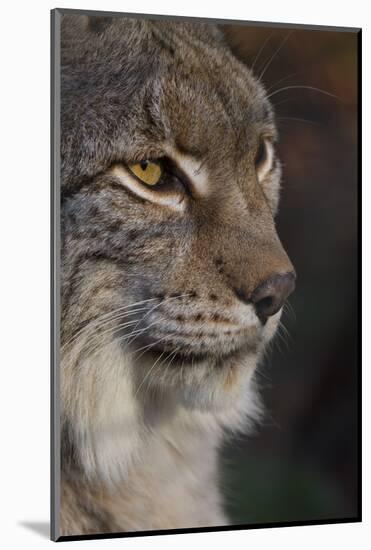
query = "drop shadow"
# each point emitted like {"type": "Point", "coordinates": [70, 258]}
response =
{"type": "Point", "coordinates": [41, 528]}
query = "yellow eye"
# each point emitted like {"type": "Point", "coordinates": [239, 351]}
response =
{"type": "Point", "coordinates": [147, 171]}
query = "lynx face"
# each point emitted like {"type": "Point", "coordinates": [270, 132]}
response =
{"type": "Point", "coordinates": [170, 259]}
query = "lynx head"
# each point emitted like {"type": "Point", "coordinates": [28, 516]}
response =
{"type": "Point", "coordinates": [173, 276]}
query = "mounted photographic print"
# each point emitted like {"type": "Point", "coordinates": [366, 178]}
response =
{"type": "Point", "coordinates": [205, 274]}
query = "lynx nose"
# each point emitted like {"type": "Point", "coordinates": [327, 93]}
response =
{"type": "Point", "coordinates": [269, 296]}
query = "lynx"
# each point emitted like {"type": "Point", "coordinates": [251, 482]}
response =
{"type": "Point", "coordinates": [173, 277]}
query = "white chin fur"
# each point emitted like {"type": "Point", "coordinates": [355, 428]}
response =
{"type": "Point", "coordinates": [213, 390]}
{"type": "Point", "coordinates": [111, 423]}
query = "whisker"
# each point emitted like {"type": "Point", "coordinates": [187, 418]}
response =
{"type": "Point", "coordinates": [267, 352]}
{"type": "Point", "coordinates": [261, 50]}
{"type": "Point", "coordinates": [174, 352]}
{"type": "Point", "coordinates": [282, 338]}
{"type": "Point", "coordinates": [296, 119]}
{"type": "Point", "coordinates": [167, 366]}
{"type": "Point", "coordinates": [95, 326]}
{"type": "Point", "coordinates": [100, 334]}
{"type": "Point", "coordinates": [281, 80]}
{"type": "Point", "coordinates": [107, 315]}
{"type": "Point", "coordinates": [128, 337]}
{"type": "Point", "coordinates": [286, 100]}
{"type": "Point", "coordinates": [275, 54]}
{"type": "Point", "coordinates": [162, 302]}
{"type": "Point", "coordinates": [290, 310]}
{"type": "Point", "coordinates": [145, 348]}
{"type": "Point", "coordinates": [148, 373]}
{"type": "Point", "coordinates": [277, 341]}
{"type": "Point", "coordinates": [285, 331]}
{"type": "Point", "coordinates": [296, 87]}
{"type": "Point", "coordinates": [134, 333]}
{"type": "Point", "coordinates": [263, 375]}
{"type": "Point", "coordinates": [160, 366]}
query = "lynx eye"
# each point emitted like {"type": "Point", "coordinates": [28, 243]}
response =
{"type": "Point", "coordinates": [147, 172]}
{"type": "Point", "coordinates": [261, 153]}
{"type": "Point", "coordinates": [264, 158]}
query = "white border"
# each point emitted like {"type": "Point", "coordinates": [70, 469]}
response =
{"type": "Point", "coordinates": [24, 230]}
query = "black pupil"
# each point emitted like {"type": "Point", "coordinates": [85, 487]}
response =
{"type": "Point", "coordinates": [144, 165]}
{"type": "Point", "coordinates": [261, 153]}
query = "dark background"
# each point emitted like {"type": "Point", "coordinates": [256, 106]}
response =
{"type": "Point", "coordinates": [301, 463]}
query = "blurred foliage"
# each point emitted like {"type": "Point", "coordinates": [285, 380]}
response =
{"type": "Point", "coordinates": [302, 463]}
